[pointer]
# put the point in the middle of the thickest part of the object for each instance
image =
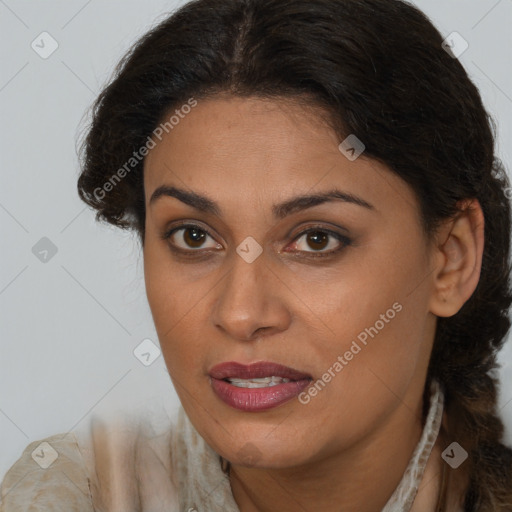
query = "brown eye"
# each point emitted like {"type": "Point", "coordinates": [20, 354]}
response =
{"type": "Point", "coordinates": [192, 237]}
{"type": "Point", "coordinates": [319, 239]}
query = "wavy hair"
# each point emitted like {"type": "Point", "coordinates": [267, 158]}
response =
{"type": "Point", "coordinates": [379, 68]}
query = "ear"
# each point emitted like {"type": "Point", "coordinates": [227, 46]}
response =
{"type": "Point", "coordinates": [457, 257]}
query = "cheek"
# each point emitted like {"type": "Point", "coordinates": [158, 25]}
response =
{"type": "Point", "coordinates": [166, 304]}
{"type": "Point", "coordinates": [372, 313]}
{"type": "Point", "coordinates": [167, 292]}
{"type": "Point", "coordinates": [375, 329]}
{"type": "Point", "coordinates": [177, 300]}
{"type": "Point", "coordinates": [347, 298]}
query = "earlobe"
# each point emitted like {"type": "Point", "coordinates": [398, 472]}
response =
{"type": "Point", "coordinates": [459, 257]}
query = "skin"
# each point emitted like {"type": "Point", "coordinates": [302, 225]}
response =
{"type": "Point", "coordinates": [289, 307]}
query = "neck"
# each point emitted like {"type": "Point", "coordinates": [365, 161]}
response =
{"type": "Point", "coordinates": [359, 479]}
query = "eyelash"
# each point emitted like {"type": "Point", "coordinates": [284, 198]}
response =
{"type": "Point", "coordinates": [345, 241]}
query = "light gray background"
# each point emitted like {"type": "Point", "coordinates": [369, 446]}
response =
{"type": "Point", "coordinates": [69, 326]}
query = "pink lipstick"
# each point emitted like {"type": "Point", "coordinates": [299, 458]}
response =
{"type": "Point", "coordinates": [258, 386]}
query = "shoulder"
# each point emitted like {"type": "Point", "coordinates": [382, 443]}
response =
{"type": "Point", "coordinates": [49, 475]}
{"type": "Point", "coordinates": [113, 464]}
{"type": "Point", "coordinates": [128, 463]}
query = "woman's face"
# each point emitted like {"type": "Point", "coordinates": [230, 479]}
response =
{"type": "Point", "coordinates": [346, 304]}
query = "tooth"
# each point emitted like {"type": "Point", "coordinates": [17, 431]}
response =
{"type": "Point", "coordinates": [260, 382]}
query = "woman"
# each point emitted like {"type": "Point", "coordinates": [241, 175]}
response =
{"type": "Point", "coordinates": [325, 230]}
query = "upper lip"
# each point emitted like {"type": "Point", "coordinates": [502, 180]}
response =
{"type": "Point", "coordinates": [232, 369]}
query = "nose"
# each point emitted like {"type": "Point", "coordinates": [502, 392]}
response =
{"type": "Point", "coordinates": [251, 301]}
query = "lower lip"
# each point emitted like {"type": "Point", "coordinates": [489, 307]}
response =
{"type": "Point", "coordinates": [257, 399]}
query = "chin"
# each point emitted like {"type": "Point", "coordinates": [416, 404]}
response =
{"type": "Point", "coordinates": [261, 452]}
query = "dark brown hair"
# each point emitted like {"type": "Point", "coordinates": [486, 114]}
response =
{"type": "Point", "coordinates": [379, 68]}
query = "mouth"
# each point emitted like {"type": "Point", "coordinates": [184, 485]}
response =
{"type": "Point", "coordinates": [258, 386]}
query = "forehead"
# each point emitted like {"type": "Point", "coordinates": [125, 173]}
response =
{"type": "Point", "coordinates": [236, 130]}
{"type": "Point", "coordinates": [228, 146]}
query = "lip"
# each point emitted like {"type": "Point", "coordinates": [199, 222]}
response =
{"type": "Point", "coordinates": [232, 369]}
{"type": "Point", "coordinates": [256, 399]}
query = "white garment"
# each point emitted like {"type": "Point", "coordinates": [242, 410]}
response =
{"type": "Point", "coordinates": [129, 468]}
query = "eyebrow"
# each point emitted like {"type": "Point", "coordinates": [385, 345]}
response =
{"type": "Point", "coordinates": [281, 210]}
